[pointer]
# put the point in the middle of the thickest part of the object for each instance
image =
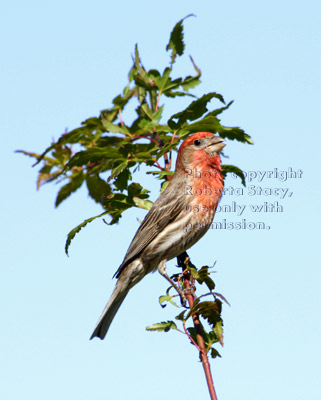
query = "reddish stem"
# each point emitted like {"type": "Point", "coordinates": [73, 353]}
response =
{"type": "Point", "coordinates": [145, 137]}
{"type": "Point", "coordinates": [120, 117]}
{"type": "Point", "coordinates": [157, 164]}
{"type": "Point", "coordinates": [190, 337]}
{"type": "Point", "coordinates": [198, 328]}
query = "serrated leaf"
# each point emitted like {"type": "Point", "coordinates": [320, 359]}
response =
{"type": "Point", "coordinates": [176, 43]}
{"type": "Point", "coordinates": [93, 122]}
{"type": "Point", "coordinates": [235, 133]}
{"type": "Point", "coordinates": [219, 110]}
{"type": "Point", "coordinates": [94, 155]}
{"type": "Point", "coordinates": [122, 178]}
{"type": "Point", "coordinates": [114, 128]}
{"type": "Point", "coordinates": [73, 233]}
{"type": "Point", "coordinates": [194, 111]}
{"type": "Point", "coordinates": [161, 81]}
{"type": "Point", "coordinates": [203, 276]}
{"type": "Point", "coordinates": [162, 326]}
{"type": "Point", "coordinates": [62, 154]}
{"type": "Point", "coordinates": [135, 189]}
{"type": "Point", "coordinates": [212, 124]}
{"type": "Point", "coordinates": [232, 169]}
{"type": "Point", "coordinates": [218, 330]}
{"type": "Point", "coordinates": [170, 93]}
{"type": "Point", "coordinates": [120, 101]}
{"type": "Point", "coordinates": [30, 154]}
{"type": "Point", "coordinates": [147, 110]}
{"type": "Point", "coordinates": [119, 168]}
{"type": "Point", "coordinates": [74, 184]}
{"type": "Point", "coordinates": [97, 188]}
{"type": "Point", "coordinates": [191, 81]}
{"type": "Point", "coordinates": [209, 310]}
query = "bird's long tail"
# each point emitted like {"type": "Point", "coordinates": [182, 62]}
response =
{"type": "Point", "coordinates": [128, 278]}
{"type": "Point", "coordinates": [107, 316]}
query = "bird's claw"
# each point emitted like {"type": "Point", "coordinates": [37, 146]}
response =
{"type": "Point", "coordinates": [182, 297]}
{"type": "Point", "coordinates": [190, 291]}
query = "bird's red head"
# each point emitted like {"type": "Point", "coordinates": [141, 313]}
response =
{"type": "Point", "coordinates": [200, 150]}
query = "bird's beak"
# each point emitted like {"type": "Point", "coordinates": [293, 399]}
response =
{"type": "Point", "coordinates": [215, 145]}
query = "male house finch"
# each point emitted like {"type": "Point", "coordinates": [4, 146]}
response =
{"type": "Point", "coordinates": [178, 219]}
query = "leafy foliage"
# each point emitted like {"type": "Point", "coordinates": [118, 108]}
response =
{"type": "Point", "coordinates": [105, 151]}
{"type": "Point", "coordinates": [207, 306]}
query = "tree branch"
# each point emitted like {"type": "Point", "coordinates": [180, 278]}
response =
{"type": "Point", "coordinates": [182, 260]}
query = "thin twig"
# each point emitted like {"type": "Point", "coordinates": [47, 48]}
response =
{"type": "Point", "coordinates": [145, 137]}
{"type": "Point", "coordinates": [215, 294]}
{"type": "Point", "coordinates": [190, 337]}
{"type": "Point", "coordinates": [157, 164]}
{"type": "Point", "coordinates": [120, 117]}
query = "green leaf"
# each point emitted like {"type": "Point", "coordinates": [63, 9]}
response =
{"type": "Point", "coordinates": [74, 184]}
{"type": "Point", "coordinates": [218, 330]}
{"type": "Point", "coordinates": [44, 175]}
{"type": "Point", "coordinates": [164, 186]}
{"type": "Point", "coordinates": [161, 82]}
{"type": "Point", "coordinates": [120, 101]}
{"type": "Point", "coordinates": [73, 136]}
{"type": "Point", "coordinates": [135, 189]}
{"type": "Point", "coordinates": [170, 93]}
{"type": "Point", "coordinates": [62, 154]}
{"type": "Point", "coordinates": [122, 178]}
{"type": "Point", "coordinates": [167, 298]}
{"type": "Point", "coordinates": [146, 204]}
{"type": "Point", "coordinates": [161, 174]}
{"type": "Point", "coordinates": [93, 155]}
{"type": "Point", "coordinates": [232, 169]}
{"type": "Point", "coordinates": [73, 233]}
{"type": "Point", "coordinates": [181, 316]}
{"type": "Point", "coordinates": [192, 333]}
{"type": "Point", "coordinates": [212, 124]}
{"type": "Point", "coordinates": [203, 276]}
{"type": "Point", "coordinates": [209, 310]}
{"type": "Point", "coordinates": [215, 353]}
{"type": "Point", "coordinates": [219, 110]}
{"type": "Point", "coordinates": [205, 125]}
{"type": "Point", "coordinates": [119, 168]}
{"type": "Point", "coordinates": [30, 154]}
{"type": "Point", "coordinates": [176, 43]}
{"type": "Point", "coordinates": [194, 111]}
{"type": "Point", "coordinates": [114, 128]}
{"type": "Point", "coordinates": [235, 133]}
{"type": "Point", "coordinates": [97, 188]}
{"type": "Point", "coordinates": [191, 81]}
{"type": "Point", "coordinates": [162, 326]}
{"type": "Point", "coordinates": [93, 122]}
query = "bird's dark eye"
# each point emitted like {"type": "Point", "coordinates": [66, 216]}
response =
{"type": "Point", "coordinates": [197, 142]}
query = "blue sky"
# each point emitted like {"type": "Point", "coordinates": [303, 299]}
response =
{"type": "Point", "coordinates": [63, 62]}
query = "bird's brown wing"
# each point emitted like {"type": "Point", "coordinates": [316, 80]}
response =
{"type": "Point", "coordinates": [164, 210]}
